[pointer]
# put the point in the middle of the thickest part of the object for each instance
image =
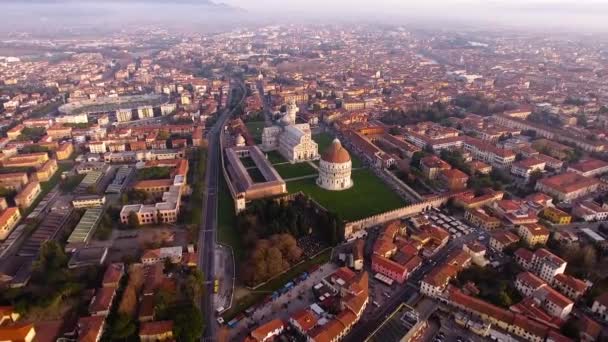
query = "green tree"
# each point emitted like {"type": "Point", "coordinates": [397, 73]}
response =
{"type": "Point", "coordinates": [194, 285]}
{"type": "Point", "coordinates": [123, 327]}
{"type": "Point", "coordinates": [188, 323]}
{"type": "Point", "coordinates": [133, 220]}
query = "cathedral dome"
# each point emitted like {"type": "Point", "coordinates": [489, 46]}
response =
{"type": "Point", "coordinates": [336, 153]}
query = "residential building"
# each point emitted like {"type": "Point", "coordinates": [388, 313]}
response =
{"type": "Point", "coordinates": [489, 153]}
{"type": "Point", "coordinates": [589, 167]}
{"type": "Point", "coordinates": [570, 286]}
{"type": "Point", "coordinates": [97, 147]}
{"type": "Point", "coordinates": [64, 151]}
{"type": "Point", "coordinates": [533, 233]}
{"type": "Point", "coordinates": [432, 166]}
{"type": "Point", "coordinates": [267, 331]}
{"type": "Point", "coordinates": [600, 306]}
{"type": "Point", "coordinates": [526, 167]}
{"type": "Point", "coordinates": [590, 211]}
{"type": "Point", "coordinates": [47, 170]}
{"type": "Point", "coordinates": [541, 262]}
{"type": "Point", "coordinates": [28, 195]}
{"type": "Point", "coordinates": [19, 332]}
{"type": "Point", "coordinates": [454, 179]}
{"type": "Point", "coordinates": [9, 218]}
{"type": "Point", "coordinates": [478, 217]}
{"type": "Point", "coordinates": [501, 239]}
{"type": "Point", "coordinates": [568, 186]}
{"type": "Point", "coordinates": [556, 216]}
{"type": "Point", "coordinates": [152, 256]}
{"type": "Point", "coordinates": [156, 331]}
{"type": "Point", "coordinates": [13, 181]}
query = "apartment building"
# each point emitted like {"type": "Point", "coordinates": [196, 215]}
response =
{"type": "Point", "coordinates": [489, 153]}
{"type": "Point", "coordinates": [533, 233]}
{"type": "Point", "coordinates": [28, 195]}
{"type": "Point", "coordinates": [9, 218]}
{"type": "Point", "coordinates": [568, 186]}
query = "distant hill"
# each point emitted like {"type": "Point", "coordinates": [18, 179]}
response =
{"type": "Point", "coordinates": [208, 3]}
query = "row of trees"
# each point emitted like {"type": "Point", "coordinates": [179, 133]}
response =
{"type": "Point", "coordinates": [149, 173]}
{"type": "Point", "coordinates": [298, 217]}
{"type": "Point", "coordinates": [437, 112]}
{"type": "Point", "coordinates": [270, 257]}
{"type": "Point", "coordinates": [494, 285]}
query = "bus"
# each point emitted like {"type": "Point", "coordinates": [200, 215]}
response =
{"type": "Point", "coordinates": [216, 286]}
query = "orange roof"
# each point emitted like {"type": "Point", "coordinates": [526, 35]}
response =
{"type": "Point", "coordinates": [306, 319]}
{"type": "Point", "coordinates": [113, 273]}
{"type": "Point", "coordinates": [569, 182]}
{"type": "Point", "coordinates": [7, 214]}
{"type": "Point", "coordinates": [15, 333]}
{"type": "Point", "coordinates": [151, 329]}
{"type": "Point", "coordinates": [330, 331]}
{"type": "Point", "coordinates": [336, 153]}
{"type": "Point", "coordinates": [536, 229]}
{"type": "Point", "coordinates": [153, 183]}
{"type": "Point", "coordinates": [588, 165]}
{"type": "Point", "coordinates": [89, 328]}
{"type": "Point", "coordinates": [103, 299]}
{"type": "Point", "coordinates": [262, 332]}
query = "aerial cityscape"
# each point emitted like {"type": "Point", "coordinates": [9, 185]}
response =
{"type": "Point", "coordinates": [235, 176]}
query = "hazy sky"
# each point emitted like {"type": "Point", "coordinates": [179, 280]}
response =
{"type": "Point", "coordinates": [575, 15]}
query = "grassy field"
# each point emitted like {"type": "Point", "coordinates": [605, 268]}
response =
{"type": "Point", "coordinates": [256, 128]}
{"type": "Point", "coordinates": [369, 196]}
{"type": "Point", "coordinates": [324, 140]}
{"type": "Point", "coordinates": [295, 170]}
{"type": "Point", "coordinates": [275, 157]}
{"type": "Point", "coordinates": [275, 284]}
{"type": "Point", "coordinates": [226, 222]}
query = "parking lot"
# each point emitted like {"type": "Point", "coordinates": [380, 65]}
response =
{"type": "Point", "coordinates": [298, 298]}
{"type": "Point", "coordinates": [451, 224]}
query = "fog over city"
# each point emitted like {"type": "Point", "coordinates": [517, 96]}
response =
{"type": "Point", "coordinates": [556, 16]}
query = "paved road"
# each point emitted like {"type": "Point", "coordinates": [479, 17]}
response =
{"type": "Point", "coordinates": [207, 235]}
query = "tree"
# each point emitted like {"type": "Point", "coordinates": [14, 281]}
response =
{"type": "Point", "coordinates": [133, 220]}
{"type": "Point", "coordinates": [123, 327]}
{"type": "Point", "coordinates": [187, 323]}
{"type": "Point", "coordinates": [416, 157]}
{"type": "Point", "coordinates": [51, 266]}
{"type": "Point", "coordinates": [193, 286]}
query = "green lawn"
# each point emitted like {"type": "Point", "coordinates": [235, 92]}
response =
{"type": "Point", "coordinates": [274, 157]}
{"type": "Point", "coordinates": [274, 284]}
{"type": "Point", "coordinates": [324, 140]}
{"type": "Point", "coordinates": [368, 196]}
{"type": "Point", "coordinates": [226, 222]}
{"type": "Point", "coordinates": [256, 128]}
{"type": "Point", "coordinates": [295, 170]}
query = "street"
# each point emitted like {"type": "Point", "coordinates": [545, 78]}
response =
{"type": "Point", "coordinates": [207, 235]}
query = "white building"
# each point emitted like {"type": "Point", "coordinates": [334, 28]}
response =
{"type": "Point", "coordinates": [73, 119]}
{"type": "Point", "coordinates": [145, 112]}
{"type": "Point", "coordinates": [293, 141]}
{"type": "Point", "coordinates": [167, 108]}
{"type": "Point", "coordinates": [97, 147]}
{"type": "Point", "coordinates": [335, 168]}
{"type": "Point", "coordinates": [124, 115]}
{"type": "Point", "coordinates": [600, 306]}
